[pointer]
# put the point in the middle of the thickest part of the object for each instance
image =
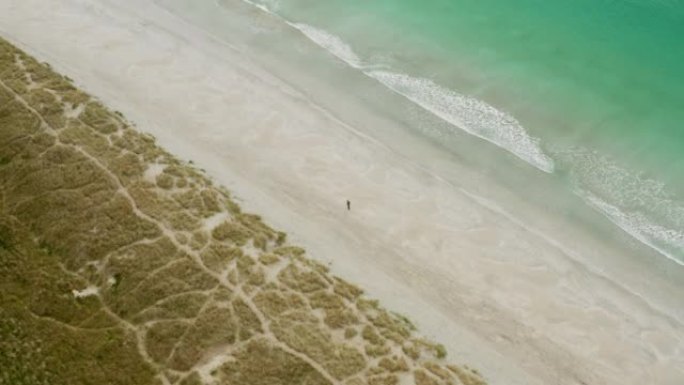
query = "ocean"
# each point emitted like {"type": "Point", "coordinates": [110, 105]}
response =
{"type": "Point", "coordinates": [588, 93]}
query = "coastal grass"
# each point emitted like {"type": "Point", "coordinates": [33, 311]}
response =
{"type": "Point", "coordinates": [111, 273]}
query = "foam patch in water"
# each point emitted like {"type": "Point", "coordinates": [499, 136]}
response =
{"type": "Point", "coordinates": [469, 114]}
{"type": "Point", "coordinates": [265, 5]}
{"type": "Point", "coordinates": [666, 241]}
{"type": "Point", "coordinates": [330, 43]}
{"type": "Point", "coordinates": [639, 205]}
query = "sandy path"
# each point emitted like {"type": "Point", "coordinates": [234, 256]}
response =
{"type": "Point", "coordinates": [500, 297]}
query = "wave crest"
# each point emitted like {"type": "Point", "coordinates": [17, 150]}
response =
{"type": "Point", "coordinates": [330, 43]}
{"type": "Point", "coordinates": [469, 114]}
{"type": "Point", "coordinates": [639, 205]}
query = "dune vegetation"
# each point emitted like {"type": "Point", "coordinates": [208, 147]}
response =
{"type": "Point", "coordinates": [120, 264]}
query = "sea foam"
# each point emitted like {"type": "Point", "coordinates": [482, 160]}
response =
{"type": "Point", "coordinates": [469, 114]}
{"type": "Point", "coordinates": [264, 5]}
{"type": "Point", "coordinates": [639, 205]}
{"type": "Point", "coordinates": [662, 239]}
{"type": "Point", "coordinates": [330, 43]}
{"type": "Point", "coordinates": [464, 112]}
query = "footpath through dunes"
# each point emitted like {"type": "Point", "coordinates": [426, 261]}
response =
{"type": "Point", "coordinates": [119, 264]}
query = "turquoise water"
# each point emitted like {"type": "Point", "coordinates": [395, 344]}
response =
{"type": "Point", "coordinates": [588, 91]}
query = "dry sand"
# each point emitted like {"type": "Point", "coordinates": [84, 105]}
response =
{"type": "Point", "coordinates": [515, 302]}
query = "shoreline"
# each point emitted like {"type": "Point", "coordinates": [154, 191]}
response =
{"type": "Point", "coordinates": [448, 105]}
{"type": "Point", "coordinates": [249, 157]}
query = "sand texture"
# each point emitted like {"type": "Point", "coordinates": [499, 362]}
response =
{"type": "Point", "coordinates": [524, 294]}
{"type": "Point", "coordinates": [120, 264]}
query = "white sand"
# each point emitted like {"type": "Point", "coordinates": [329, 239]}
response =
{"type": "Point", "coordinates": [518, 303]}
{"type": "Point", "coordinates": [87, 292]}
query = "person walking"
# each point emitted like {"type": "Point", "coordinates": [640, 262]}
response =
{"type": "Point", "coordinates": [348, 205]}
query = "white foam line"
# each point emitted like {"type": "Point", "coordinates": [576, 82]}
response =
{"type": "Point", "coordinates": [636, 225]}
{"type": "Point", "coordinates": [331, 43]}
{"type": "Point", "coordinates": [260, 6]}
{"type": "Point", "coordinates": [470, 115]}
{"type": "Point", "coordinates": [637, 204]}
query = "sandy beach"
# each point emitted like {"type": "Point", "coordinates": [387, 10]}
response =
{"type": "Point", "coordinates": [512, 291]}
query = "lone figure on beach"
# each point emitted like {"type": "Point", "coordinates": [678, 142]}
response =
{"type": "Point", "coordinates": [348, 205]}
